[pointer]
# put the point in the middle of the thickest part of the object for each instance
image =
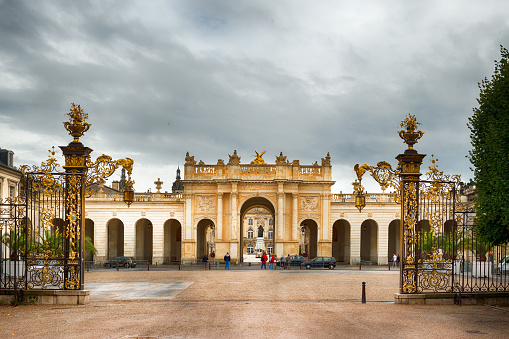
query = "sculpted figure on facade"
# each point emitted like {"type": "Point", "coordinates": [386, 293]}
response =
{"type": "Point", "coordinates": [258, 159]}
{"type": "Point", "coordinates": [190, 159]}
{"type": "Point", "coordinates": [234, 159]}
{"type": "Point", "coordinates": [326, 160]}
{"type": "Point", "coordinates": [281, 159]}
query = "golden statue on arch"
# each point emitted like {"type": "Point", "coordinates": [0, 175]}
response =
{"type": "Point", "coordinates": [258, 159]}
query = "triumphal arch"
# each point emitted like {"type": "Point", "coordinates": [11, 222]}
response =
{"type": "Point", "coordinates": [218, 197]}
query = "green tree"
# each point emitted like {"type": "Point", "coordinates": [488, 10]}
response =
{"type": "Point", "coordinates": [489, 127]}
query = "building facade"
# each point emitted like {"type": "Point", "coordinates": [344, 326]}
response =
{"type": "Point", "coordinates": [291, 204]}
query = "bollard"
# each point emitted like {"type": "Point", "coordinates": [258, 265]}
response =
{"type": "Point", "coordinates": [209, 265]}
{"type": "Point", "coordinates": [389, 266]}
{"type": "Point", "coordinates": [148, 267]}
{"type": "Point", "coordinates": [117, 266]}
{"type": "Point", "coordinates": [179, 266]}
{"type": "Point", "coordinates": [360, 265]}
{"type": "Point", "coordinates": [363, 292]}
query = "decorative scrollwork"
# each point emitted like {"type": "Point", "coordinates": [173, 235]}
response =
{"type": "Point", "coordinates": [103, 167]}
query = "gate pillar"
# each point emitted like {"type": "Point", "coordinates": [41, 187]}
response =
{"type": "Point", "coordinates": [409, 164]}
{"type": "Point", "coordinates": [75, 169]}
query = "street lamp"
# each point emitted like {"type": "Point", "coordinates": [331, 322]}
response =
{"type": "Point", "coordinates": [360, 199]}
{"type": "Point", "coordinates": [129, 193]}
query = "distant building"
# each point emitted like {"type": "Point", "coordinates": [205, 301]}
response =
{"type": "Point", "coordinates": [9, 175]}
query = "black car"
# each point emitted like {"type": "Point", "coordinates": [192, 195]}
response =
{"type": "Point", "coordinates": [322, 262]}
{"type": "Point", "coordinates": [295, 260]}
{"type": "Point", "coordinates": [120, 261]}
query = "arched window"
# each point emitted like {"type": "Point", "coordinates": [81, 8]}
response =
{"type": "Point", "coordinates": [250, 233]}
{"type": "Point", "coordinates": [271, 233]}
{"type": "Point", "coordinates": [269, 249]}
{"type": "Point", "coordinates": [250, 249]}
{"type": "Point", "coordinates": [250, 221]}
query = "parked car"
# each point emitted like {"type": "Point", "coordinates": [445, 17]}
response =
{"type": "Point", "coordinates": [295, 260]}
{"type": "Point", "coordinates": [503, 266]}
{"type": "Point", "coordinates": [120, 261]}
{"type": "Point", "coordinates": [322, 262]}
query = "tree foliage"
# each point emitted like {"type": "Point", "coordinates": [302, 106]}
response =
{"type": "Point", "coordinates": [489, 127]}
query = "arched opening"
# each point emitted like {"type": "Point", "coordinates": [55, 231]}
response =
{"type": "Point", "coordinates": [369, 241]}
{"type": "Point", "coordinates": [115, 238]}
{"type": "Point", "coordinates": [205, 238]}
{"type": "Point", "coordinates": [394, 240]}
{"type": "Point", "coordinates": [341, 241]}
{"type": "Point", "coordinates": [144, 232]}
{"type": "Point", "coordinates": [89, 232]}
{"type": "Point", "coordinates": [172, 251]}
{"type": "Point", "coordinates": [262, 213]}
{"type": "Point", "coordinates": [308, 239]}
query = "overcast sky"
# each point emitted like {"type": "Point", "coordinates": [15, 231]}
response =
{"type": "Point", "coordinates": [160, 78]}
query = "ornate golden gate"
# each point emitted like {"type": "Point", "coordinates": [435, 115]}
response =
{"type": "Point", "coordinates": [440, 249]}
{"type": "Point", "coordinates": [42, 231]}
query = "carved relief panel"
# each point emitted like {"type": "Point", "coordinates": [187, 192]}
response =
{"type": "Point", "coordinates": [309, 204]}
{"type": "Point", "coordinates": [205, 203]}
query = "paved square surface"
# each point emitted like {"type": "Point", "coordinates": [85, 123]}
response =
{"type": "Point", "coordinates": [248, 303]}
{"type": "Point", "coordinates": [135, 290]}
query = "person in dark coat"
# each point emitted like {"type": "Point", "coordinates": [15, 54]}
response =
{"type": "Point", "coordinates": [204, 261]}
{"type": "Point", "coordinates": [227, 261]}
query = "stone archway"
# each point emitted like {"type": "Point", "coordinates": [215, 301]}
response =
{"type": "Point", "coordinates": [308, 238]}
{"type": "Point", "coordinates": [144, 240]}
{"type": "Point", "coordinates": [249, 205]}
{"type": "Point", "coordinates": [115, 238]}
{"type": "Point", "coordinates": [341, 241]}
{"type": "Point", "coordinates": [369, 241]}
{"type": "Point", "coordinates": [205, 238]}
{"type": "Point", "coordinates": [394, 246]}
{"type": "Point", "coordinates": [172, 251]}
{"type": "Point", "coordinates": [89, 232]}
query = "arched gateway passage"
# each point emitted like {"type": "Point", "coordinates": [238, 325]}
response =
{"type": "Point", "coordinates": [172, 241]}
{"type": "Point", "coordinates": [341, 241]}
{"type": "Point", "coordinates": [308, 239]}
{"type": "Point", "coordinates": [205, 238]}
{"type": "Point", "coordinates": [268, 236]}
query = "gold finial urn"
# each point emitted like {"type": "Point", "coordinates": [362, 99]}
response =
{"type": "Point", "coordinates": [76, 124]}
{"type": "Point", "coordinates": [410, 136]}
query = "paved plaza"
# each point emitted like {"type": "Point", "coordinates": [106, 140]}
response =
{"type": "Point", "coordinates": [248, 303]}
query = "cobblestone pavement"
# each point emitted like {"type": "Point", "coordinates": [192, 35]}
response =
{"type": "Point", "coordinates": [249, 303]}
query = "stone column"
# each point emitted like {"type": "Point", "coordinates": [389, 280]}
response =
{"type": "Point", "coordinates": [325, 217]}
{"type": "Point", "coordinates": [234, 215]}
{"type": "Point", "coordinates": [219, 226]}
{"type": "Point", "coordinates": [295, 217]}
{"type": "Point", "coordinates": [280, 215]}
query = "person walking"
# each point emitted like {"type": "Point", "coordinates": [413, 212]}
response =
{"type": "Point", "coordinates": [264, 261]}
{"type": "Point", "coordinates": [394, 260]}
{"type": "Point", "coordinates": [288, 261]}
{"type": "Point", "coordinates": [282, 263]}
{"type": "Point", "coordinates": [271, 263]}
{"type": "Point", "coordinates": [204, 261]}
{"type": "Point", "coordinates": [227, 261]}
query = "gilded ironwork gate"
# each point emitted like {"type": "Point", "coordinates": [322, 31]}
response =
{"type": "Point", "coordinates": [12, 227]}
{"type": "Point", "coordinates": [428, 235]}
